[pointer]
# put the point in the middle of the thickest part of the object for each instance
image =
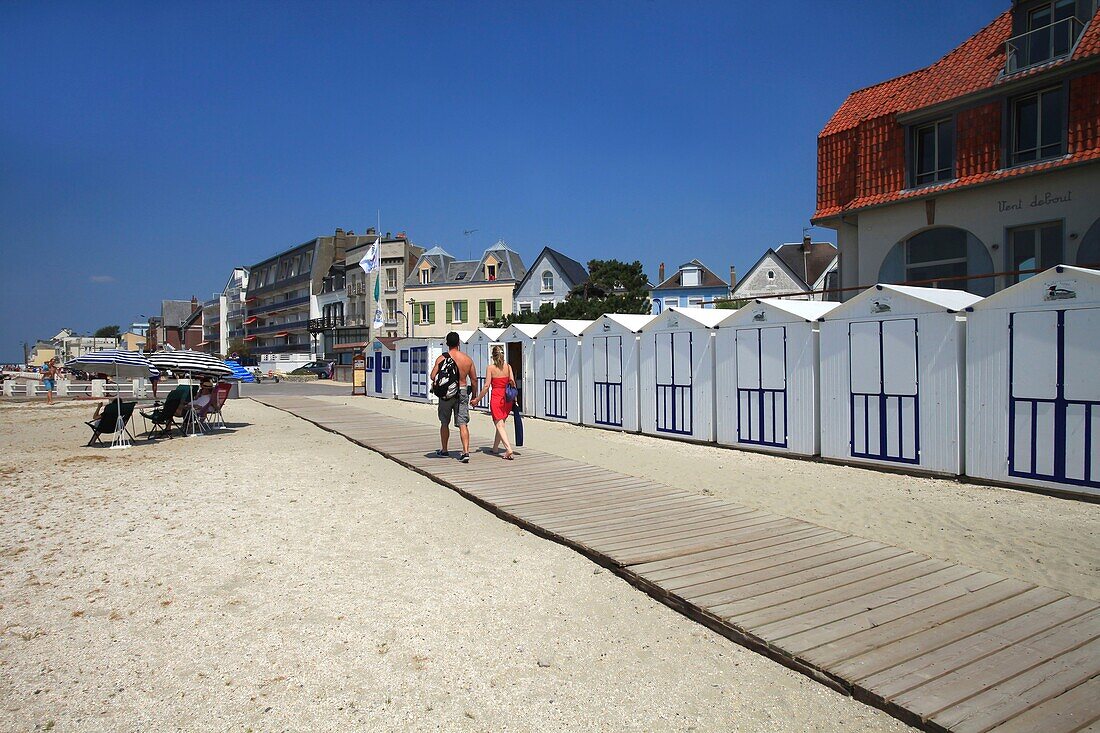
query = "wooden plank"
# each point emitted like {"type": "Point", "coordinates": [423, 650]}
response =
{"type": "Point", "coordinates": [654, 526]}
{"type": "Point", "coordinates": [683, 532]}
{"type": "Point", "coordinates": [1071, 711]}
{"type": "Point", "coordinates": [938, 679]}
{"type": "Point", "coordinates": [1019, 694]}
{"type": "Point", "coordinates": [732, 566]}
{"type": "Point", "coordinates": [911, 611]}
{"type": "Point", "coordinates": [865, 666]}
{"type": "Point", "coordinates": [794, 533]}
{"type": "Point", "coordinates": [639, 513]}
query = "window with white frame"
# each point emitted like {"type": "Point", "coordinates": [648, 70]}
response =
{"type": "Point", "coordinates": [426, 276]}
{"type": "Point", "coordinates": [547, 281]}
{"type": "Point", "coordinates": [425, 313]}
{"type": "Point", "coordinates": [391, 278]}
{"type": "Point", "coordinates": [458, 311]}
{"type": "Point", "coordinates": [525, 307]}
{"type": "Point", "coordinates": [672, 302]}
{"type": "Point", "coordinates": [932, 153]}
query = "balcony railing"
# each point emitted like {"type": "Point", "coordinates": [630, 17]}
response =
{"type": "Point", "coordinates": [292, 326]}
{"type": "Point", "coordinates": [278, 305]}
{"type": "Point", "coordinates": [1042, 45]}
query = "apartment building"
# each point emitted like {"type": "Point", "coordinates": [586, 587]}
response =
{"type": "Point", "coordinates": [281, 299]}
{"type": "Point", "coordinates": [445, 294]}
{"type": "Point", "coordinates": [977, 170]}
{"type": "Point", "coordinates": [398, 258]}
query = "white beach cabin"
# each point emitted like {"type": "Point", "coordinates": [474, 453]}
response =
{"type": "Point", "coordinates": [380, 363]}
{"type": "Point", "coordinates": [610, 371]}
{"type": "Point", "coordinates": [519, 347]}
{"type": "Point", "coordinates": [415, 357]}
{"type": "Point", "coordinates": [558, 370]}
{"type": "Point", "coordinates": [766, 362]}
{"type": "Point", "coordinates": [677, 373]}
{"type": "Point", "coordinates": [1033, 383]}
{"type": "Point", "coordinates": [892, 378]}
{"type": "Point", "coordinates": [479, 348]}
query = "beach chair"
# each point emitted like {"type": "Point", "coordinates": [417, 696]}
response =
{"type": "Point", "coordinates": [221, 393]}
{"type": "Point", "coordinates": [163, 416]}
{"type": "Point", "coordinates": [108, 422]}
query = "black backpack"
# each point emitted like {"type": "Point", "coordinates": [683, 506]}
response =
{"type": "Point", "coordinates": [446, 380]}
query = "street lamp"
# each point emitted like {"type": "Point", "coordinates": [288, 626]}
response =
{"type": "Point", "coordinates": [402, 314]}
{"type": "Point", "coordinates": [408, 324]}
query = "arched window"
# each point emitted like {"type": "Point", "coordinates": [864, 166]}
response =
{"type": "Point", "coordinates": [1088, 254]}
{"type": "Point", "coordinates": [547, 281]}
{"type": "Point", "coordinates": [942, 252]}
{"type": "Point", "coordinates": [771, 274]}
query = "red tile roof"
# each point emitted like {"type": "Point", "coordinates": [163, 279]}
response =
{"type": "Point", "coordinates": [861, 150]}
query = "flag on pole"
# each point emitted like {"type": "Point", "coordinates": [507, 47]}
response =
{"type": "Point", "coordinates": [372, 260]}
{"type": "Point", "coordinates": [378, 300]}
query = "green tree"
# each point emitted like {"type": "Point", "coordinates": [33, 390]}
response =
{"type": "Point", "coordinates": [107, 332]}
{"type": "Point", "coordinates": [730, 304]}
{"type": "Point", "coordinates": [240, 347]}
{"type": "Point", "coordinates": [612, 287]}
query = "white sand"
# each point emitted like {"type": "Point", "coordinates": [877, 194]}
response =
{"type": "Point", "coordinates": [1040, 539]}
{"type": "Point", "coordinates": [281, 578]}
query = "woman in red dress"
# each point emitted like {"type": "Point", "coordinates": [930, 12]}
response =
{"type": "Point", "coordinates": [498, 378]}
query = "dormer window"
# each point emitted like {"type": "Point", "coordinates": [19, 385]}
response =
{"type": "Point", "coordinates": [425, 276]}
{"type": "Point", "coordinates": [1048, 31]}
{"type": "Point", "coordinates": [690, 277]}
{"type": "Point", "coordinates": [932, 153]}
{"type": "Point", "coordinates": [490, 272]}
{"type": "Point", "coordinates": [1038, 126]}
{"type": "Point", "coordinates": [547, 281]}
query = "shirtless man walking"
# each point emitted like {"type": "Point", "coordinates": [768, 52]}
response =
{"type": "Point", "coordinates": [459, 407]}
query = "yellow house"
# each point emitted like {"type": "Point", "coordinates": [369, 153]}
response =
{"type": "Point", "coordinates": [42, 352]}
{"type": "Point", "coordinates": [446, 294]}
{"type": "Point", "coordinates": [133, 341]}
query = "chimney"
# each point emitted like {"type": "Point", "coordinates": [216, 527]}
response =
{"type": "Point", "coordinates": [194, 304]}
{"type": "Point", "coordinates": [371, 232]}
{"type": "Point", "coordinates": [805, 242]}
{"type": "Point", "coordinates": [733, 276]}
{"type": "Point", "coordinates": [339, 232]}
{"type": "Point", "coordinates": [661, 274]}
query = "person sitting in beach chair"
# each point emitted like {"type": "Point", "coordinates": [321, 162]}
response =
{"type": "Point", "coordinates": [175, 405]}
{"type": "Point", "coordinates": [217, 401]}
{"type": "Point", "coordinates": [106, 420]}
{"type": "Point", "coordinates": [197, 409]}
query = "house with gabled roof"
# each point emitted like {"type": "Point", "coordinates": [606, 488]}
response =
{"type": "Point", "coordinates": [446, 294]}
{"type": "Point", "coordinates": [549, 281]}
{"type": "Point", "coordinates": [693, 285]}
{"type": "Point", "coordinates": [977, 170]}
{"type": "Point", "coordinates": [800, 270]}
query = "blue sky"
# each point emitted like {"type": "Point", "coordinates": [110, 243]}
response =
{"type": "Point", "coordinates": [147, 148]}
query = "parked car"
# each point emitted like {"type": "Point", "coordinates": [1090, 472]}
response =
{"type": "Point", "coordinates": [323, 369]}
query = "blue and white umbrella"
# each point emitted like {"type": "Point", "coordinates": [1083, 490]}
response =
{"type": "Point", "coordinates": [239, 372]}
{"type": "Point", "coordinates": [121, 363]}
{"type": "Point", "coordinates": [190, 362]}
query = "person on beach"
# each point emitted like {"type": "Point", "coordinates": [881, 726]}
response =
{"type": "Point", "coordinates": [154, 380]}
{"type": "Point", "coordinates": [499, 379]}
{"type": "Point", "coordinates": [452, 377]}
{"type": "Point", "coordinates": [49, 377]}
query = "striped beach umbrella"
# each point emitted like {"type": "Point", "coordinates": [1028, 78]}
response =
{"type": "Point", "coordinates": [239, 372]}
{"type": "Point", "coordinates": [190, 362]}
{"type": "Point", "coordinates": [119, 362]}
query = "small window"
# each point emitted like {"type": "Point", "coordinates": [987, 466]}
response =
{"type": "Point", "coordinates": [404, 356]}
{"type": "Point", "coordinates": [425, 313]}
{"type": "Point", "coordinates": [460, 276]}
{"type": "Point", "coordinates": [385, 363]}
{"type": "Point", "coordinates": [391, 278]}
{"type": "Point", "coordinates": [771, 274]}
{"type": "Point", "coordinates": [932, 153]}
{"type": "Point", "coordinates": [690, 277]}
{"type": "Point", "coordinates": [1038, 125]}
{"type": "Point", "coordinates": [426, 276]}
{"type": "Point", "coordinates": [1036, 247]}
{"type": "Point", "coordinates": [370, 363]}
{"type": "Point", "coordinates": [490, 272]}
{"type": "Point", "coordinates": [547, 281]}
{"type": "Point", "coordinates": [695, 302]}
{"type": "Point", "coordinates": [672, 302]}
{"type": "Point", "coordinates": [458, 311]}
{"type": "Point", "coordinates": [492, 310]}
{"type": "Point", "coordinates": [524, 307]}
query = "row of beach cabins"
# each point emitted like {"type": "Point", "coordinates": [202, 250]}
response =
{"type": "Point", "coordinates": [1004, 389]}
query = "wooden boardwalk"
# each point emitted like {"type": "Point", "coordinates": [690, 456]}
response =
{"type": "Point", "coordinates": [941, 646]}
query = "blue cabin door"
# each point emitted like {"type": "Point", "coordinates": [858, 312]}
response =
{"type": "Point", "coordinates": [377, 372]}
{"type": "Point", "coordinates": [1054, 396]}
{"type": "Point", "coordinates": [555, 385]}
{"type": "Point", "coordinates": [673, 357]}
{"type": "Point", "coordinates": [418, 372]}
{"type": "Point", "coordinates": [762, 386]}
{"type": "Point", "coordinates": [607, 368]}
{"type": "Point", "coordinates": [884, 406]}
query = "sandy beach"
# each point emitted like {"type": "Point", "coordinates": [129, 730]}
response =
{"type": "Point", "coordinates": [278, 577]}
